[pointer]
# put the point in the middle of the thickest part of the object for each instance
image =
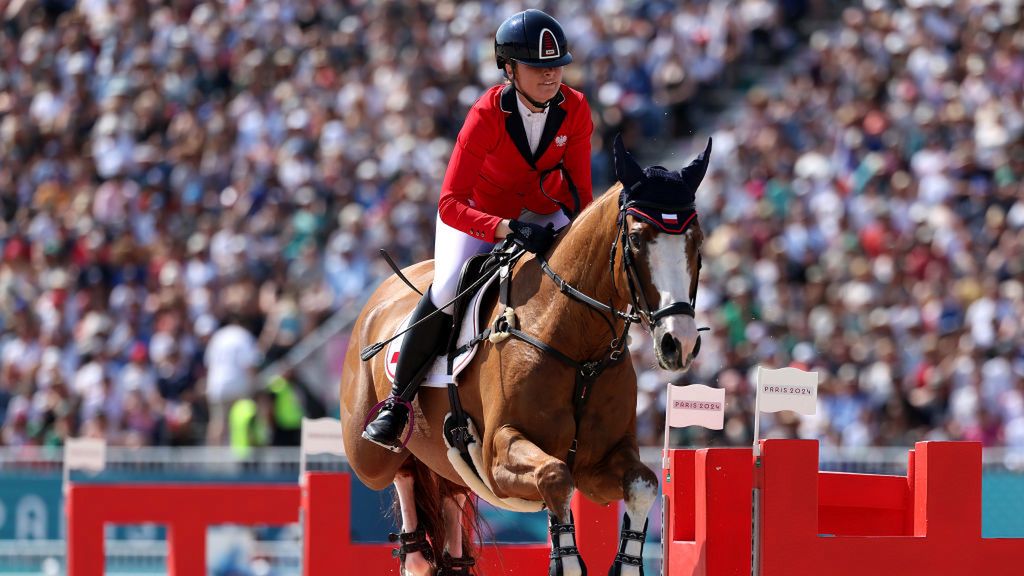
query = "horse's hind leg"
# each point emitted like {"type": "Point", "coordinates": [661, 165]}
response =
{"type": "Point", "coordinates": [453, 507]}
{"type": "Point", "coordinates": [413, 562]}
{"type": "Point", "coordinates": [454, 563]}
{"type": "Point", "coordinates": [522, 470]}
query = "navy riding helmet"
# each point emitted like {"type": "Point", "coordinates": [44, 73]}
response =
{"type": "Point", "coordinates": [533, 38]}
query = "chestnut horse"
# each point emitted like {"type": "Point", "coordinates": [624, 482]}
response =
{"type": "Point", "coordinates": [549, 421]}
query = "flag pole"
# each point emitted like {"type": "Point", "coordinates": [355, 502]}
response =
{"type": "Point", "coordinates": [755, 536]}
{"type": "Point", "coordinates": [302, 453]}
{"type": "Point", "coordinates": [668, 412]}
{"type": "Point", "coordinates": [757, 414]}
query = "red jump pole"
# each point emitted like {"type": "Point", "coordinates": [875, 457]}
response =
{"type": "Point", "coordinates": [925, 524]}
{"type": "Point", "coordinates": [328, 536]}
{"type": "Point", "coordinates": [186, 510]}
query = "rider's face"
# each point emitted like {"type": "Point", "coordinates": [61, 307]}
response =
{"type": "Point", "coordinates": [541, 84]}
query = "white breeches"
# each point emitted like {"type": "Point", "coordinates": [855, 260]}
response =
{"type": "Point", "coordinates": [453, 247]}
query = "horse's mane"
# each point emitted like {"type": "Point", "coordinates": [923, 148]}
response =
{"type": "Point", "coordinates": [610, 195]}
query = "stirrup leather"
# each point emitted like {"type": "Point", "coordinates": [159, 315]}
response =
{"type": "Point", "coordinates": [415, 541]}
{"type": "Point", "coordinates": [455, 566]}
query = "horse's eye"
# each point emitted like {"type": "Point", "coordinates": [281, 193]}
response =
{"type": "Point", "coordinates": [635, 241]}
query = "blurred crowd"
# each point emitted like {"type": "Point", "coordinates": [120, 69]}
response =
{"type": "Point", "coordinates": [864, 218]}
{"type": "Point", "coordinates": [187, 188]}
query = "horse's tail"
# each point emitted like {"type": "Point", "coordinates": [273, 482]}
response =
{"type": "Point", "coordinates": [429, 492]}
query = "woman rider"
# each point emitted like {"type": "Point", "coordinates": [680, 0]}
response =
{"type": "Point", "coordinates": [515, 132]}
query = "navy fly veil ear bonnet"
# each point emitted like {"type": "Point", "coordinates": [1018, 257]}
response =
{"type": "Point", "coordinates": [661, 197]}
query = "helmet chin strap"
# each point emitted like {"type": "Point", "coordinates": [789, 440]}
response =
{"type": "Point", "coordinates": [536, 104]}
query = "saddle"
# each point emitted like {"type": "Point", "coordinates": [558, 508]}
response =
{"type": "Point", "coordinates": [477, 276]}
{"type": "Point", "coordinates": [477, 267]}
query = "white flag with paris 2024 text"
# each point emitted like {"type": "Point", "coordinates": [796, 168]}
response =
{"type": "Point", "coordinates": [85, 454]}
{"type": "Point", "coordinates": [787, 389]}
{"type": "Point", "coordinates": [696, 405]}
{"type": "Point", "coordinates": [322, 436]}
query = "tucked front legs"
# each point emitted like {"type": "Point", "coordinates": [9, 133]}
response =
{"type": "Point", "coordinates": [523, 470]}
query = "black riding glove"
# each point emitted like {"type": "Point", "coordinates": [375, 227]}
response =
{"type": "Point", "coordinates": [532, 237]}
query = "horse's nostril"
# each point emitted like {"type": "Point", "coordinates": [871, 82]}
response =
{"type": "Point", "coordinates": [668, 346]}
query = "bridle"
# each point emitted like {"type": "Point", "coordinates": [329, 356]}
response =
{"type": "Point", "coordinates": [640, 311]}
{"type": "Point", "coordinates": [645, 211]}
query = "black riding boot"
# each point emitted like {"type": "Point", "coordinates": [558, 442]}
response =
{"type": "Point", "coordinates": [421, 345]}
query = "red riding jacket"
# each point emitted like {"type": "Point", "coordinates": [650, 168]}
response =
{"type": "Point", "coordinates": [492, 175]}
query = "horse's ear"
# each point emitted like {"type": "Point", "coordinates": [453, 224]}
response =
{"type": "Point", "coordinates": [626, 169]}
{"type": "Point", "coordinates": [693, 174]}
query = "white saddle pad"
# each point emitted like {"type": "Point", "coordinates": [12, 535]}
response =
{"type": "Point", "coordinates": [438, 376]}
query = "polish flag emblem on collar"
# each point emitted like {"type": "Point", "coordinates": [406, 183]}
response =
{"type": "Point", "coordinates": [670, 218]}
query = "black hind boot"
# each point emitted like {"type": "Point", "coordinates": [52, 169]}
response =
{"type": "Point", "coordinates": [421, 345]}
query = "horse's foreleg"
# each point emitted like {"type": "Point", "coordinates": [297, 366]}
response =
{"type": "Point", "coordinates": [413, 561]}
{"type": "Point", "coordinates": [638, 486]}
{"type": "Point", "coordinates": [522, 470]}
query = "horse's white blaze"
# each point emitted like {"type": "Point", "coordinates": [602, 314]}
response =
{"type": "Point", "coordinates": [670, 272]}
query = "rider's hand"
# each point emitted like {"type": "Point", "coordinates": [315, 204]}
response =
{"type": "Point", "coordinates": [532, 237]}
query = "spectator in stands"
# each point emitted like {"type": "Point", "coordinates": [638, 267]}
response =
{"type": "Point", "coordinates": [231, 360]}
{"type": "Point", "coordinates": [870, 182]}
{"type": "Point", "coordinates": [869, 196]}
{"type": "Point", "coordinates": [288, 409]}
{"type": "Point", "coordinates": [251, 423]}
